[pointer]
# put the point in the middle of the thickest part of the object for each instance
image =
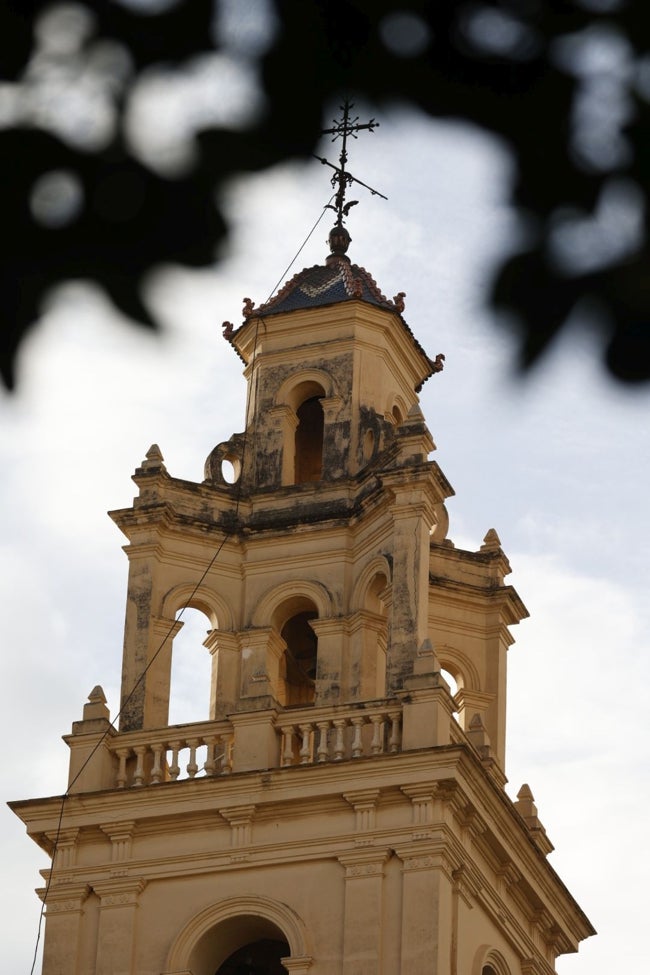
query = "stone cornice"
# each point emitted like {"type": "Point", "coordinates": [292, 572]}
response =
{"type": "Point", "coordinates": [457, 775]}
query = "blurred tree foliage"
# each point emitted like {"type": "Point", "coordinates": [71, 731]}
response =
{"type": "Point", "coordinates": [565, 83]}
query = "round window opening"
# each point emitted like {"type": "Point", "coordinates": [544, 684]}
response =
{"type": "Point", "coordinates": [230, 469]}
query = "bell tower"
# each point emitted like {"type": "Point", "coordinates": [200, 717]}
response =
{"type": "Point", "coordinates": [339, 809]}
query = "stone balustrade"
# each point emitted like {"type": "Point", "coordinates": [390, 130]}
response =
{"type": "Point", "coordinates": [206, 748]}
{"type": "Point", "coordinates": [168, 754]}
{"type": "Point", "coordinates": [334, 735]}
{"type": "Point", "coordinates": [268, 738]}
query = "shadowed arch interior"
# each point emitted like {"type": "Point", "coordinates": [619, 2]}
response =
{"type": "Point", "coordinates": [309, 441]}
{"type": "Point", "coordinates": [262, 957]}
{"type": "Point", "coordinates": [239, 946]}
{"type": "Point", "coordinates": [291, 618]}
{"type": "Point", "coordinates": [300, 657]}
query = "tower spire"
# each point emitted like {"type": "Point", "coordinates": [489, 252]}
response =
{"type": "Point", "coordinates": [344, 127]}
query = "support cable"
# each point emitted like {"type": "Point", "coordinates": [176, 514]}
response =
{"type": "Point", "coordinates": [297, 254]}
{"type": "Point", "coordinates": [228, 532]}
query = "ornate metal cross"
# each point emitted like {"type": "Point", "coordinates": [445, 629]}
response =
{"type": "Point", "coordinates": [344, 127]}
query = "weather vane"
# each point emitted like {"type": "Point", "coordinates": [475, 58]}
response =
{"type": "Point", "coordinates": [343, 128]}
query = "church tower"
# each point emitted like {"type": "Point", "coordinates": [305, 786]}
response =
{"type": "Point", "coordinates": [339, 811]}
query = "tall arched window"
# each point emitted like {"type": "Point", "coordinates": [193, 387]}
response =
{"type": "Point", "coordinates": [309, 441]}
{"type": "Point", "coordinates": [374, 661]}
{"type": "Point", "coordinates": [191, 667]}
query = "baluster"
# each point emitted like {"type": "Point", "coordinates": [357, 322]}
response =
{"type": "Point", "coordinates": [339, 742]}
{"type": "Point", "coordinates": [305, 751]}
{"type": "Point", "coordinates": [174, 768]}
{"type": "Point", "coordinates": [357, 746]}
{"type": "Point", "coordinates": [138, 775]}
{"type": "Point", "coordinates": [393, 741]}
{"type": "Point", "coordinates": [210, 764]}
{"type": "Point", "coordinates": [323, 728]}
{"type": "Point", "coordinates": [157, 768]}
{"type": "Point", "coordinates": [123, 754]}
{"type": "Point", "coordinates": [377, 744]}
{"type": "Point", "coordinates": [226, 758]}
{"type": "Point", "coordinates": [191, 767]}
{"type": "Point", "coordinates": [287, 745]}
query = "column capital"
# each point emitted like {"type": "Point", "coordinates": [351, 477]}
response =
{"type": "Point", "coordinates": [364, 863]}
{"type": "Point", "coordinates": [66, 899]}
{"type": "Point", "coordinates": [119, 891]}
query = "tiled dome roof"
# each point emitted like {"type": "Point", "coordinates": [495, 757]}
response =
{"type": "Point", "coordinates": [325, 284]}
{"type": "Point", "coordinates": [331, 283]}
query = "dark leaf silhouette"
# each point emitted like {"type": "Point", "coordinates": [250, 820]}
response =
{"type": "Point", "coordinates": [565, 83]}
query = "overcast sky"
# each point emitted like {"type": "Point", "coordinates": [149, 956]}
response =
{"type": "Point", "coordinates": [558, 463]}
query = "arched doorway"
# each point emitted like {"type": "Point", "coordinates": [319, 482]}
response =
{"type": "Point", "coordinates": [262, 957]}
{"type": "Point", "coordinates": [241, 944]}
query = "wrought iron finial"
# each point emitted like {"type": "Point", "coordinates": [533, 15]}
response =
{"type": "Point", "coordinates": [343, 128]}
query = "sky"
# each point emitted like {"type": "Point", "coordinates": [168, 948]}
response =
{"type": "Point", "coordinates": [557, 462]}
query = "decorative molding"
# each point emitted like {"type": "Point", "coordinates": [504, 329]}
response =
{"type": "Point", "coordinates": [467, 884]}
{"type": "Point", "coordinates": [508, 874]}
{"type": "Point", "coordinates": [422, 862]}
{"type": "Point", "coordinates": [532, 966]}
{"type": "Point", "coordinates": [66, 852]}
{"type": "Point", "coordinates": [240, 819]}
{"type": "Point", "coordinates": [64, 907]}
{"type": "Point", "coordinates": [472, 821]}
{"type": "Point", "coordinates": [421, 796]}
{"type": "Point", "coordinates": [367, 863]}
{"type": "Point", "coordinates": [68, 901]}
{"type": "Point", "coordinates": [297, 965]}
{"type": "Point", "coordinates": [279, 914]}
{"type": "Point", "coordinates": [364, 803]}
{"type": "Point", "coordinates": [434, 856]}
{"type": "Point", "coordinates": [120, 835]}
{"type": "Point", "coordinates": [123, 892]}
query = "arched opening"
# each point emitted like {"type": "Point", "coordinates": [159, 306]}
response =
{"type": "Point", "coordinates": [245, 944]}
{"type": "Point", "coordinates": [256, 958]}
{"type": "Point", "coordinates": [231, 469]}
{"type": "Point", "coordinates": [189, 698]}
{"type": "Point", "coordinates": [453, 682]}
{"type": "Point", "coordinates": [397, 415]}
{"type": "Point", "coordinates": [309, 441]}
{"type": "Point", "coordinates": [300, 657]}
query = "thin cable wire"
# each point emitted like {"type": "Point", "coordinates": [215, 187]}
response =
{"type": "Point", "coordinates": [297, 254]}
{"type": "Point", "coordinates": [227, 534]}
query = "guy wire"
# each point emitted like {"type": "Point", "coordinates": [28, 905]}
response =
{"type": "Point", "coordinates": [227, 533]}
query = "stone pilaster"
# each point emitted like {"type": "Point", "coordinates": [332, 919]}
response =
{"type": "Point", "coordinates": [116, 942]}
{"type": "Point", "coordinates": [362, 933]}
{"type": "Point", "coordinates": [224, 687]}
{"type": "Point", "coordinates": [63, 913]}
{"type": "Point", "coordinates": [412, 512]}
{"type": "Point", "coordinates": [427, 909]}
